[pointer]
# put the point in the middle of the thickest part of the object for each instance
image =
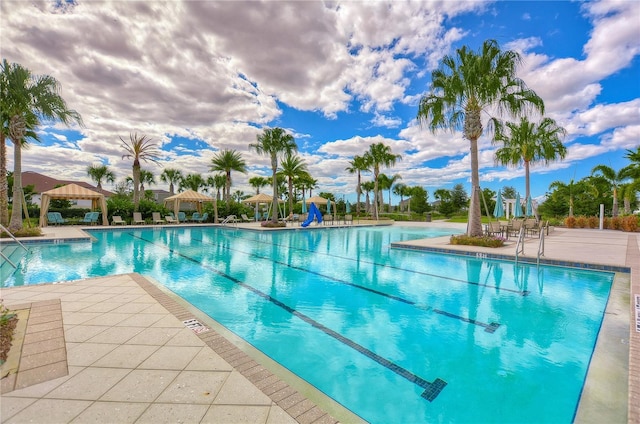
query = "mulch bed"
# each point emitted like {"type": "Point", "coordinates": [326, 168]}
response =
{"type": "Point", "coordinates": [6, 336]}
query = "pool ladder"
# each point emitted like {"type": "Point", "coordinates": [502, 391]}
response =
{"type": "Point", "coordinates": [4, 229]}
{"type": "Point", "coordinates": [520, 244]}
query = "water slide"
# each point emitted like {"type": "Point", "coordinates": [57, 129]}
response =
{"type": "Point", "coordinates": [313, 213]}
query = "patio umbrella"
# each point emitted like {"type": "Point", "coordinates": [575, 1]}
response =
{"type": "Point", "coordinates": [517, 207]}
{"type": "Point", "coordinates": [529, 211]}
{"type": "Point", "coordinates": [498, 211]}
{"type": "Point", "coordinates": [347, 208]}
{"type": "Point", "coordinates": [304, 204]}
{"type": "Point", "coordinates": [328, 206]}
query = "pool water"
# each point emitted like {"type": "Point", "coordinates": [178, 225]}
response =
{"type": "Point", "coordinates": [396, 336]}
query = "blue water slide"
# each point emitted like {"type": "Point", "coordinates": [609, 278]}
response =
{"type": "Point", "coordinates": [313, 213]}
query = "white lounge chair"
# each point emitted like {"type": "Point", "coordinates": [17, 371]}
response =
{"type": "Point", "coordinates": [137, 218]}
{"type": "Point", "coordinates": [157, 219]}
{"type": "Point", "coordinates": [117, 220]}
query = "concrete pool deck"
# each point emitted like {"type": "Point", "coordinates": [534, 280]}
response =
{"type": "Point", "coordinates": [116, 349]}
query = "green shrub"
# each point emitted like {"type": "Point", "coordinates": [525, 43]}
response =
{"type": "Point", "coordinates": [484, 241]}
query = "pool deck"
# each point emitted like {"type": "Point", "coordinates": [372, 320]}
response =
{"type": "Point", "coordinates": [124, 349]}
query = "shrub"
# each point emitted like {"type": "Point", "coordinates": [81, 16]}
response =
{"type": "Point", "coordinates": [270, 224]}
{"type": "Point", "coordinates": [616, 223]}
{"type": "Point", "coordinates": [594, 222]}
{"type": "Point", "coordinates": [607, 223]}
{"type": "Point", "coordinates": [24, 232]}
{"type": "Point", "coordinates": [485, 241]}
{"type": "Point", "coordinates": [570, 222]}
{"type": "Point", "coordinates": [630, 223]}
{"type": "Point", "coordinates": [581, 222]}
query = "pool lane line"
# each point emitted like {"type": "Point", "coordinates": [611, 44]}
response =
{"type": "Point", "coordinates": [431, 389]}
{"type": "Point", "coordinates": [489, 328]}
{"type": "Point", "coordinates": [428, 274]}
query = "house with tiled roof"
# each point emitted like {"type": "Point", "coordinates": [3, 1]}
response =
{"type": "Point", "coordinates": [42, 183]}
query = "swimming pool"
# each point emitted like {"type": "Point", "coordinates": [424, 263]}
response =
{"type": "Point", "coordinates": [394, 335]}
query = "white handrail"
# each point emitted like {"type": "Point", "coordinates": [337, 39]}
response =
{"type": "Point", "coordinates": [12, 236]}
{"type": "Point", "coordinates": [8, 260]}
{"type": "Point", "coordinates": [541, 246]}
{"type": "Point", "coordinates": [520, 243]}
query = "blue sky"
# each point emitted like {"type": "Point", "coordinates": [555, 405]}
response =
{"type": "Point", "coordinates": [198, 77]}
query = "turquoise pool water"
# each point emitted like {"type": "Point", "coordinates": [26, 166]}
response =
{"type": "Point", "coordinates": [394, 335]}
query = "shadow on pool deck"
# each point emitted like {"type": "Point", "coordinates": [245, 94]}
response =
{"type": "Point", "coordinates": [114, 353]}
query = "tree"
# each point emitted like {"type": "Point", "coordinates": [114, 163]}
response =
{"type": "Point", "coordinates": [26, 99]}
{"type": "Point", "coordinates": [387, 183]}
{"type": "Point", "coordinates": [99, 173]}
{"type": "Point", "coordinates": [139, 149]}
{"type": "Point", "coordinates": [565, 190]}
{"type": "Point", "coordinates": [367, 187]}
{"type": "Point", "coordinates": [192, 182]}
{"type": "Point", "coordinates": [226, 161]}
{"type": "Point", "coordinates": [171, 176]}
{"type": "Point", "coordinates": [357, 165]}
{"type": "Point", "coordinates": [419, 198]}
{"type": "Point", "coordinates": [292, 166]}
{"type": "Point", "coordinates": [274, 142]}
{"type": "Point", "coordinates": [306, 182]}
{"type": "Point", "coordinates": [146, 177]}
{"type": "Point", "coordinates": [379, 154]}
{"type": "Point", "coordinates": [399, 190]}
{"type": "Point", "coordinates": [407, 191]}
{"type": "Point", "coordinates": [509, 192]}
{"type": "Point", "coordinates": [462, 88]}
{"type": "Point", "coordinates": [258, 183]}
{"type": "Point", "coordinates": [529, 143]}
{"type": "Point", "coordinates": [614, 179]}
{"type": "Point", "coordinates": [459, 197]}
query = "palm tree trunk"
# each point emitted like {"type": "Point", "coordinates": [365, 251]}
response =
{"type": "Point", "coordinates": [16, 212]}
{"type": "Point", "coordinates": [375, 193]}
{"type": "Point", "coordinates": [4, 188]}
{"type": "Point", "coordinates": [274, 182]}
{"type": "Point", "coordinates": [358, 193]}
{"type": "Point", "coordinates": [615, 202]}
{"type": "Point", "coordinates": [136, 186]}
{"type": "Point", "coordinates": [475, 224]}
{"type": "Point", "coordinates": [526, 180]}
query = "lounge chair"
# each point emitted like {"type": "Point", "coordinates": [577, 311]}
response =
{"type": "Point", "coordinates": [328, 219]}
{"type": "Point", "coordinates": [493, 228]}
{"type": "Point", "coordinates": [182, 217]}
{"type": "Point", "coordinates": [348, 219]}
{"type": "Point", "coordinates": [245, 218]}
{"type": "Point", "coordinates": [54, 218]}
{"type": "Point", "coordinates": [170, 219]}
{"type": "Point", "coordinates": [117, 220]}
{"type": "Point", "coordinates": [195, 217]}
{"type": "Point", "coordinates": [202, 218]}
{"type": "Point", "coordinates": [90, 218]}
{"type": "Point", "coordinates": [137, 218]}
{"type": "Point", "coordinates": [157, 219]}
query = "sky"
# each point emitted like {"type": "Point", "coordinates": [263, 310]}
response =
{"type": "Point", "coordinates": [201, 76]}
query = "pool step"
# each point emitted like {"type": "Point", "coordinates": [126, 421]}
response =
{"type": "Point", "coordinates": [12, 254]}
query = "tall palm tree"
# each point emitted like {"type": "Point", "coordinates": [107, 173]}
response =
{"type": "Point", "coordinates": [258, 182]}
{"type": "Point", "coordinates": [171, 176]}
{"type": "Point", "coordinates": [26, 99]}
{"type": "Point", "coordinates": [274, 142]}
{"type": "Point", "coordinates": [614, 179]}
{"type": "Point", "coordinates": [292, 166]}
{"type": "Point", "coordinates": [218, 182]}
{"type": "Point", "coordinates": [226, 161]}
{"type": "Point", "coordinates": [99, 173]}
{"type": "Point", "coordinates": [391, 181]}
{"type": "Point", "coordinates": [146, 177]}
{"type": "Point", "coordinates": [306, 182]}
{"type": "Point", "coordinates": [530, 143]}
{"type": "Point", "coordinates": [357, 165]}
{"type": "Point", "coordinates": [139, 149]}
{"type": "Point", "coordinates": [466, 85]}
{"type": "Point", "coordinates": [379, 154]}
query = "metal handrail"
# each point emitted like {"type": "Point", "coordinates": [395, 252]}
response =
{"type": "Point", "coordinates": [12, 236]}
{"type": "Point", "coordinates": [540, 246]}
{"type": "Point", "coordinates": [8, 260]}
{"type": "Point", "coordinates": [520, 244]}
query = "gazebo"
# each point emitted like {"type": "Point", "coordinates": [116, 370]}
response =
{"type": "Point", "coordinates": [188, 196]}
{"type": "Point", "coordinates": [73, 191]}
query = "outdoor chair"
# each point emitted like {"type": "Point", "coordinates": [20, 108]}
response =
{"type": "Point", "coordinates": [327, 219]}
{"type": "Point", "coordinates": [157, 219]}
{"type": "Point", "coordinates": [182, 217]}
{"type": "Point", "coordinates": [117, 220]}
{"type": "Point", "coordinates": [137, 218]}
{"type": "Point", "coordinates": [195, 217]}
{"type": "Point", "coordinates": [348, 219]}
{"type": "Point", "coordinates": [170, 219]}
{"type": "Point", "coordinates": [494, 228]}
{"type": "Point", "coordinates": [245, 218]}
{"type": "Point", "coordinates": [515, 227]}
{"type": "Point", "coordinates": [90, 218]}
{"type": "Point", "coordinates": [54, 218]}
{"type": "Point", "coordinates": [202, 218]}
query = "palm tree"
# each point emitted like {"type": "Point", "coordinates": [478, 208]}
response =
{"type": "Point", "coordinates": [357, 165]}
{"type": "Point", "coordinates": [258, 182]}
{"type": "Point", "coordinates": [292, 166]}
{"type": "Point", "coordinates": [140, 149]}
{"type": "Point", "coordinates": [99, 173]}
{"type": "Point", "coordinates": [192, 182]}
{"type": "Point", "coordinates": [379, 154]}
{"type": "Point", "coordinates": [26, 100]}
{"type": "Point", "coordinates": [530, 143]}
{"type": "Point", "coordinates": [462, 88]}
{"type": "Point", "coordinates": [614, 179]}
{"type": "Point", "coordinates": [367, 187]}
{"type": "Point", "coordinates": [171, 176]}
{"type": "Point", "coordinates": [306, 182]}
{"type": "Point", "coordinates": [146, 177]}
{"type": "Point", "coordinates": [399, 190]}
{"type": "Point", "coordinates": [226, 161]}
{"type": "Point", "coordinates": [274, 142]}
{"type": "Point", "coordinates": [218, 182]}
{"type": "Point", "coordinates": [391, 181]}
{"type": "Point", "coordinates": [564, 190]}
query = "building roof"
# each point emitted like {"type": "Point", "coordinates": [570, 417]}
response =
{"type": "Point", "coordinates": [43, 183]}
